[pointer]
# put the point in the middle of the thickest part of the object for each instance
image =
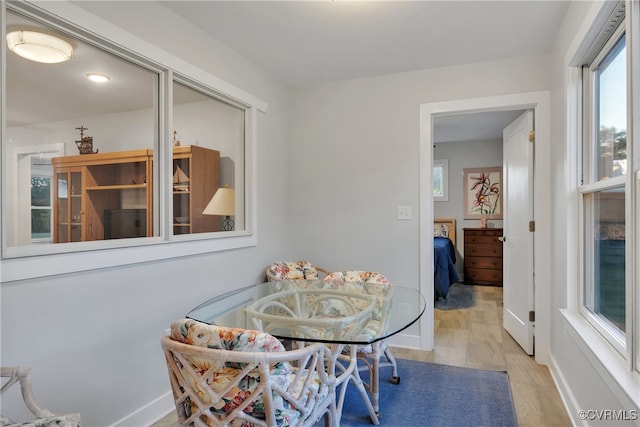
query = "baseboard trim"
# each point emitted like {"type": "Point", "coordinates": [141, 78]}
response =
{"type": "Point", "coordinates": [148, 414]}
{"type": "Point", "coordinates": [405, 340]}
{"type": "Point", "coordinates": [568, 399]}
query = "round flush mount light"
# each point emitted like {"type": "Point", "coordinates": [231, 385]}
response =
{"type": "Point", "coordinates": [98, 77]}
{"type": "Point", "coordinates": [39, 47]}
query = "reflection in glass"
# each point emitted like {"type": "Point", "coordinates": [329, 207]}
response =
{"type": "Point", "coordinates": [612, 113]}
{"type": "Point", "coordinates": [208, 154]}
{"type": "Point", "coordinates": [41, 196]}
{"type": "Point", "coordinates": [605, 261]}
{"type": "Point", "coordinates": [57, 104]}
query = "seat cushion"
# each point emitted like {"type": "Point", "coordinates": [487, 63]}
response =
{"type": "Point", "coordinates": [68, 420]}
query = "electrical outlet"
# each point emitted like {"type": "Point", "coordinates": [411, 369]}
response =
{"type": "Point", "coordinates": [404, 213]}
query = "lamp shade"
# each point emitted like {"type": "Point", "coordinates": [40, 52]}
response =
{"type": "Point", "coordinates": [223, 202]}
{"type": "Point", "coordinates": [39, 47]}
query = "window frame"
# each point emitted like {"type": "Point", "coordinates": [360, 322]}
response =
{"type": "Point", "coordinates": [444, 165]}
{"type": "Point", "coordinates": [589, 185]}
{"type": "Point", "coordinates": [44, 208]}
{"type": "Point", "coordinates": [20, 263]}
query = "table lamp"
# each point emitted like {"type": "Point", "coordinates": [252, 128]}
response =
{"type": "Point", "coordinates": [223, 203]}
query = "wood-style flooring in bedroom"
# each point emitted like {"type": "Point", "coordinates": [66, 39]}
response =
{"type": "Point", "coordinates": [469, 333]}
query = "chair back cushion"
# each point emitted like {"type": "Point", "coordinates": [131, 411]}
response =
{"type": "Point", "coordinates": [227, 371]}
{"type": "Point", "coordinates": [381, 289]}
{"type": "Point", "coordinates": [358, 276]}
{"type": "Point", "coordinates": [192, 332]}
{"type": "Point", "coordinates": [292, 270]}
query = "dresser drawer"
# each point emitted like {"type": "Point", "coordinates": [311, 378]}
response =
{"type": "Point", "coordinates": [484, 262]}
{"type": "Point", "coordinates": [482, 239]}
{"type": "Point", "coordinates": [483, 276]}
{"type": "Point", "coordinates": [483, 232]}
{"type": "Point", "coordinates": [483, 249]}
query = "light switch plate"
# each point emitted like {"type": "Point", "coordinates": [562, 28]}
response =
{"type": "Point", "coordinates": [404, 213]}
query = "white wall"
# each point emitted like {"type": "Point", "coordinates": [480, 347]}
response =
{"type": "Point", "coordinates": [356, 145]}
{"type": "Point", "coordinates": [93, 338]}
{"type": "Point", "coordinates": [356, 149]}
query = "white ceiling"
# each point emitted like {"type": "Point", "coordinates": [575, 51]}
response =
{"type": "Point", "coordinates": [315, 42]}
{"type": "Point", "coordinates": [478, 126]}
{"type": "Point", "coordinates": [318, 42]}
{"type": "Point", "coordinates": [310, 43]}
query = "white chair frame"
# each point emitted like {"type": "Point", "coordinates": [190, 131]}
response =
{"type": "Point", "coordinates": [309, 361]}
{"type": "Point", "coordinates": [297, 310]}
{"type": "Point", "coordinates": [22, 374]}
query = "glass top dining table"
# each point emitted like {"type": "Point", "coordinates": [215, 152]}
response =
{"type": "Point", "coordinates": [316, 310]}
{"type": "Point", "coordinates": [343, 315]}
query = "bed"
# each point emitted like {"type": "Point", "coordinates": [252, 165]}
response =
{"type": "Point", "coordinates": [444, 254]}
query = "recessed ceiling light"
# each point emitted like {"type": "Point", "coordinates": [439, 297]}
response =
{"type": "Point", "coordinates": [39, 47]}
{"type": "Point", "coordinates": [98, 77]}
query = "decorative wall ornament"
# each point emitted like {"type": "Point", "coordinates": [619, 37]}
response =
{"type": "Point", "coordinates": [85, 145]}
{"type": "Point", "coordinates": [482, 191]}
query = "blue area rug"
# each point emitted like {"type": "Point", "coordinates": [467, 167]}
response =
{"type": "Point", "coordinates": [436, 395]}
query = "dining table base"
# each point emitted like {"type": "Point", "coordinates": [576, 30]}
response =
{"type": "Point", "coordinates": [348, 373]}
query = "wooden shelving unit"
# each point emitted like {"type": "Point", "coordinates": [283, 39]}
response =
{"type": "Point", "coordinates": [195, 181]}
{"type": "Point", "coordinates": [86, 186]}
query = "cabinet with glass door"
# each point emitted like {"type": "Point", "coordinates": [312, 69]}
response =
{"type": "Point", "coordinates": [103, 196]}
{"type": "Point", "coordinates": [67, 205]}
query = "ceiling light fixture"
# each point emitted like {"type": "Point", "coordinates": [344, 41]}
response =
{"type": "Point", "coordinates": [39, 47]}
{"type": "Point", "coordinates": [98, 77]}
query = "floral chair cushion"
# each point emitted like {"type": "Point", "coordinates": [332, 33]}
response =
{"type": "Point", "coordinates": [358, 276]}
{"type": "Point", "coordinates": [234, 339]}
{"type": "Point", "coordinates": [69, 420]}
{"type": "Point", "coordinates": [351, 280]}
{"type": "Point", "coordinates": [382, 291]}
{"type": "Point", "coordinates": [292, 270]}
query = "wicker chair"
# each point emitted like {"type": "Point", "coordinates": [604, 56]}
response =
{"type": "Point", "coordinates": [238, 377]}
{"type": "Point", "coordinates": [294, 270]}
{"type": "Point", "coordinates": [371, 354]}
{"type": "Point", "coordinates": [44, 417]}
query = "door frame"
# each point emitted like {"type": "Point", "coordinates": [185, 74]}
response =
{"type": "Point", "coordinates": [540, 103]}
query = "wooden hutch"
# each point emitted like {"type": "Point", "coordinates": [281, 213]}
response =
{"type": "Point", "coordinates": [93, 190]}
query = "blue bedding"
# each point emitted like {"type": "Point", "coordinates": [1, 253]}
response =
{"type": "Point", "coordinates": [445, 273]}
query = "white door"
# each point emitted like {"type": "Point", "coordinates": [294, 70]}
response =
{"type": "Point", "coordinates": [518, 280]}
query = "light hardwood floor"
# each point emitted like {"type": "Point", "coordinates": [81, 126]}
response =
{"type": "Point", "coordinates": [469, 333]}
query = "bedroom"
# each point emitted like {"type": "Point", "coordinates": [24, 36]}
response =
{"type": "Point", "coordinates": [464, 141]}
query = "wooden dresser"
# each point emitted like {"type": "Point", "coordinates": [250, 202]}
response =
{"type": "Point", "coordinates": [482, 256]}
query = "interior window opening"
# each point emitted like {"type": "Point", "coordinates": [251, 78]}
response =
{"type": "Point", "coordinates": [208, 162]}
{"type": "Point", "coordinates": [103, 110]}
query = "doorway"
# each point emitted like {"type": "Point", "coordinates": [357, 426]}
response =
{"type": "Point", "coordinates": [539, 103]}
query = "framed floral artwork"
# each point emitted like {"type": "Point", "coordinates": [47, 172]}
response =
{"type": "Point", "coordinates": [482, 190]}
